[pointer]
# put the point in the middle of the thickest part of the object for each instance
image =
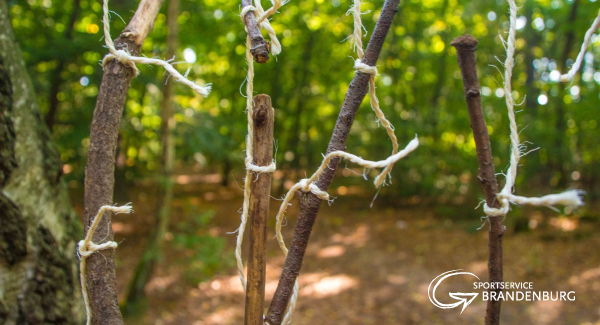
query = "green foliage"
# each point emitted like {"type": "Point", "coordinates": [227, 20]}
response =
{"type": "Point", "coordinates": [204, 254]}
{"type": "Point", "coordinates": [419, 87]}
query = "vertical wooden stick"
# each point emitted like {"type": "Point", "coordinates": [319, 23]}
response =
{"type": "Point", "coordinates": [258, 211]}
{"type": "Point", "coordinates": [465, 51]}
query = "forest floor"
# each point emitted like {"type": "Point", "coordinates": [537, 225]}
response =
{"type": "Point", "coordinates": [363, 265]}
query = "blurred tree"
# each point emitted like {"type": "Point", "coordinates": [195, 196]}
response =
{"type": "Point", "coordinates": [152, 253]}
{"type": "Point", "coordinates": [55, 78]}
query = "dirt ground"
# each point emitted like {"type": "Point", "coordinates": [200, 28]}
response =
{"type": "Point", "coordinates": [364, 265]}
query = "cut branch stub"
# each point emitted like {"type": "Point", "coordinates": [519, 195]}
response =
{"type": "Point", "coordinates": [259, 47]}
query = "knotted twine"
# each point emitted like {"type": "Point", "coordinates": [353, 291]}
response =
{"type": "Point", "coordinates": [129, 60]}
{"type": "Point", "coordinates": [586, 41]}
{"type": "Point", "coordinates": [251, 168]}
{"type": "Point", "coordinates": [505, 197]}
{"type": "Point", "coordinates": [308, 184]}
{"type": "Point", "coordinates": [87, 247]}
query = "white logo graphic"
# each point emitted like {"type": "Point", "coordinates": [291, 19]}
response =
{"type": "Point", "coordinates": [464, 298]}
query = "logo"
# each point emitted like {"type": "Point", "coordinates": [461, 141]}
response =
{"type": "Point", "coordinates": [464, 298]}
{"type": "Point", "coordinates": [494, 291]}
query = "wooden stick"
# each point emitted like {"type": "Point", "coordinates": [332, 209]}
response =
{"type": "Point", "coordinates": [465, 50]}
{"type": "Point", "coordinates": [99, 171]}
{"type": "Point", "coordinates": [258, 211]}
{"type": "Point", "coordinates": [260, 48]}
{"type": "Point", "coordinates": [309, 203]}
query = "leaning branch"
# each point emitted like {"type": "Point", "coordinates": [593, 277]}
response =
{"type": "Point", "coordinates": [465, 50]}
{"type": "Point", "coordinates": [259, 47]}
{"type": "Point", "coordinates": [309, 203]}
{"type": "Point", "coordinates": [99, 171]}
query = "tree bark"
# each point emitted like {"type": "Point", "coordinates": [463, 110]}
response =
{"type": "Point", "coordinates": [309, 203]}
{"type": "Point", "coordinates": [465, 51]}
{"type": "Point", "coordinates": [153, 252]}
{"type": "Point", "coordinates": [258, 211]}
{"type": "Point", "coordinates": [259, 47]}
{"type": "Point", "coordinates": [100, 168]}
{"type": "Point", "coordinates": [37, 225]}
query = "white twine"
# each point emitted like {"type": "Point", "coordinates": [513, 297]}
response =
{"type": "Point", "coordinates": [263, 22]}
{"type": "Point", "coordinates": [371, 70]}
{"type": "Point", "coordinates": [586, 41]}
{"type": "Point", "coordinates": [86, 248]}
{"type": "Point", "coordinates": [308, 185]}
{"type": "Point", "coordinates": [505, 197]}
{"type": "Point", "coordinates": [129, 60]}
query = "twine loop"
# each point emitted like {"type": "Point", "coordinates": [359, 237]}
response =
{"type": "Point", "coordinates": [363, 67]}
{"type": "Point", "coordinates": [123, 57]}
{"type": "Point", "coordinates": [87, 248]}
{"type": "Point", "coordinates": [496, 212]}
{"type": "Point", "coordinates": [259, 169]}
{"type": "Point", "coordinates": [307, 186]}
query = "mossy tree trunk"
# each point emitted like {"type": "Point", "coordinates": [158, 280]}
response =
{"type": "Point", "coordinates": [38, 282]}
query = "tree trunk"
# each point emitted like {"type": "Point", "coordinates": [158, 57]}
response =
{"type": "Point", "coordinates": [152, 254]}
{"type": "Point", "coordinates": [38, 228]}
{"type": "Point", "coordinates": [56, 79]}
{"type": "Point", "coordinates": [226, 172]}
{"type": "Point", "coordinates": [562, 154]}
{"type": "Point", "coordinates": [532, 38]}
{"type": "Point", "coordinates": [441, 77]}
